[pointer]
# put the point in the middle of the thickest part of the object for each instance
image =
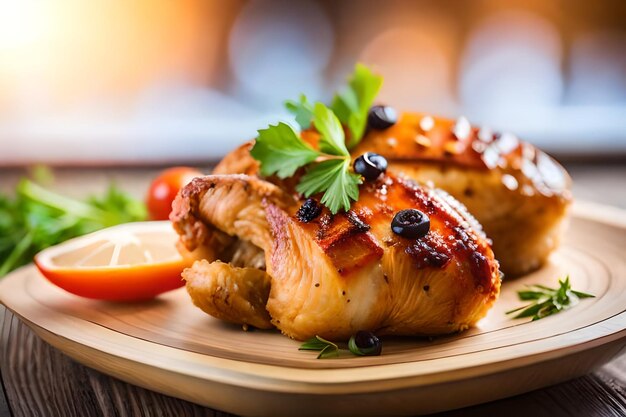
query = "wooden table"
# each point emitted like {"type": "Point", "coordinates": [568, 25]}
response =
{"type": "Point", "coordinates": [38, 380]}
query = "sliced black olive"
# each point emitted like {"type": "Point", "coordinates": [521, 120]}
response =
{"type": "Point", "coordinates": [370, 165]}
{"type": "Point", "coordinates": [381, 117]}
{"type": "Point", "coordinates": [309, 210]}
{"type": "Point", "coordinates": [410, 223]}
{"type": "Point", "coordinates": [365, 343]}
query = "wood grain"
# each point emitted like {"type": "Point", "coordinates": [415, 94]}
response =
{"type": "Point", "coordinates": [33, 369]}
{"type": "Point", "coordinates": [30, 368]}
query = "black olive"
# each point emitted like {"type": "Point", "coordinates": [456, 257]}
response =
{"type": "Point", "coordinates": [365, 343]}
{"type": "Point", "coordinates": [410, 223]}
{"type": "Point", "coordinates": [308, 211]}
{"type": "Point", "coordinates": [370, 165]}
{"type": "Point", "coordinates": [381, 117]}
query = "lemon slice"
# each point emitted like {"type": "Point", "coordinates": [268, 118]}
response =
{"type": "Point", "coordinates": [133, 261]}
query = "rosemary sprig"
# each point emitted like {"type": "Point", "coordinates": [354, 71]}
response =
{"type": "Point", "coordinates": [547, 301]}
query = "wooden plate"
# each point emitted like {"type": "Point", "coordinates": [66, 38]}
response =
{"type": "Point", "coordinates": [169, 346]}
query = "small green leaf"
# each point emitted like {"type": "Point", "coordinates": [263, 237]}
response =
{"type": "Point", "coordinates": [302, 110]}
{"type": "Point", "coordinates": [340, 186]}
{"type": "Point", "coordinates": [332, 140]}
{"type": "Point", "coordinates": [353, 347]}
{"type": "Point", "coordinates": [281, 151]}
{"type": "Point", "coordinates": [327, 348]}
{"type": "Point", "coordinates": [352, 104]}
{"type": "Point", "coordinates": [328, 352]}
{"type": "Point", "coordinates": [314, 343]}
{"type": "Point", "coordinates": [531, 295]}
{"type": "Point", "coordinates": [547, 301]}
{"type": "Point", "coordinates": [583, 294]}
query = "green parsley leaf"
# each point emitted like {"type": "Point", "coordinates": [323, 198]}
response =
{"type": "Point", "coordinates": [334, 177]}
{"type": "Point", "coordinates": [352, 104]}
{"type": "Point", "coordinates": [326, 348]}
{"type": "Point", "coordinates": [332, 139]}
{"type": "Point", "coordinates": [280, 151]}
{"type": "Point", "coordinates": [547, 301]}
{"type": "Point", "coordinates": [302, 110]}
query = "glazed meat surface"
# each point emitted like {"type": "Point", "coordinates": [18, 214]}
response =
{"type": "Point", "coordinates": [336, 274]}
{"type": "Point", "coordinates": [518, 193]}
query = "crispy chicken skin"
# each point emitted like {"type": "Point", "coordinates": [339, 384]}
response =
{"type": "Point", "coordinates": [233, 294]}
{"type": "Point", "coordinates": [339, 274]}
{"type": "Point", "coordinates": [518, 193]}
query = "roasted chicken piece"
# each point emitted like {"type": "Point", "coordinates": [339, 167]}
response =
{"type": "Point", "coordinates": [233, 294]}
{"type": "Point", "coordinates": [518, 193]}
{"type": "Point", "coordinates": [334, 275]}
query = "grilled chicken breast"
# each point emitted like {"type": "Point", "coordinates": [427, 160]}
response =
{"type": "Point", "coordinates": [518, 193]}
{"type": "Point", "coordinates": [335, 275]}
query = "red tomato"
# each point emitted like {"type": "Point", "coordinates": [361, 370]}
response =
{"type": "Point", "coordinates": [164, 188]}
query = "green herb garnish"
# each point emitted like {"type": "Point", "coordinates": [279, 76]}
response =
{"type": "Point", "coordinates": [326, 348]}
{"type": "Point", "coordinates": [37, 218]}
{"type": "Point", "coordinates": [281, 151]}
{"type": "Point", "coordinates": [302, 110]}
{"type": "Point", "coordinates": [352, 104]}
{"type": "Point", "coordinates": [547, 301]}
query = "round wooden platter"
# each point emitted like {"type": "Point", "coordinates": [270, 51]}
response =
{"type": "Point", "coordinates": [169, 346]}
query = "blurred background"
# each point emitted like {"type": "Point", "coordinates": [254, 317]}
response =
{"type": "Point", "coordinates": [154, 81]}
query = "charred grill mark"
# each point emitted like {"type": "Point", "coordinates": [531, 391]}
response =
{"type": "Point", "coordinates": [450, 236]}
{"type": "Point", "coordinates": [426, 254]}
{"type": "Point", "coordinates": [360, 226]}
{"type": "Point", "coordinates": [467, 248]}
{"type": "Point", "coordinates": [353, 252]}
{"type": "Point", "coordinates": [325, 222]}
{"type": "Point", "coordinates": [341, 226]}
{"type": "Point", "coordinates": [345, 239]}
{"type": "Point", "coordinates": [482, 271]}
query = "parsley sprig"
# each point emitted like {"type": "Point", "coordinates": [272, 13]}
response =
{"type": "Point", "coordinates": [302, 111]}
{"type": "Point", "coordinates": [547, 301]}
{"type": "Point", "coordinates": [281, 151]}
{"type": "Point", "coordinates": [352, 104]}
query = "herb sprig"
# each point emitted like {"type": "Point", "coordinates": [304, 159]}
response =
{"type": "Point", "coordinates": [37, 218]}
{"type": "Point", "coordinates": [326, 348]}
{"type": "Point", "coordinates": [281, 151]}
{"type": "Point", "coordinates": [352, 104]}
{"type": "Point", "coordinates": [547, 301]}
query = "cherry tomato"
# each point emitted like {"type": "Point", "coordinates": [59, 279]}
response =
{"type": "Point", "coordinates": [164, 188]}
